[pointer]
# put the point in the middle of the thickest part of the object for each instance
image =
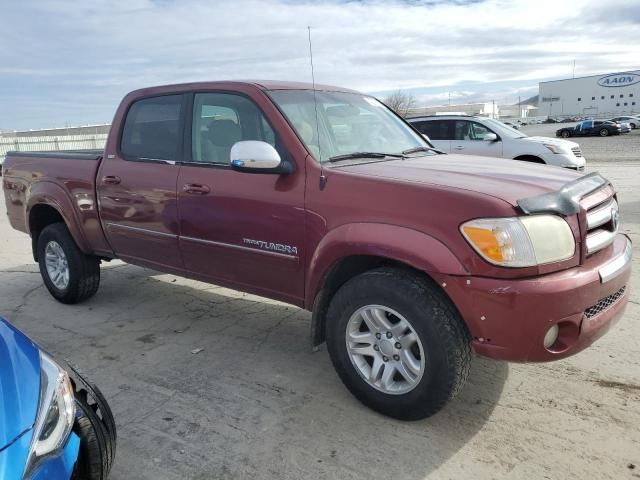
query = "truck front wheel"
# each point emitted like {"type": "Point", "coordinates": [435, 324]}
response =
{"type": "Point", "coordinates": [69, 275]}
{"type": "Point", "coordinates": [397, 343]}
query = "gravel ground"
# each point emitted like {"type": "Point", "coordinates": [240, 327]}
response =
{"type": "Point", "coordinates": [256, 403]}
{"type": "Point", "coordinates": [617, 148]}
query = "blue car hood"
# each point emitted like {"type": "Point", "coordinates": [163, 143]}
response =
{"type": "Point", "coordinates": [19, 383]}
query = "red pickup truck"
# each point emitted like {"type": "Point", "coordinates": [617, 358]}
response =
{"type": "Point", "coordinates": [323, 198]}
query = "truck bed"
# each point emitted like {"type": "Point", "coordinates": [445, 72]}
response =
{"type": "Point", "coordinates": [69, 177]}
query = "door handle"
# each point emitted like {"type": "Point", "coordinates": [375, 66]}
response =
{"type": "Point", "coordinates": [196, 189]}
{"type": "Point", "coordinates": [459, 147]}
{"type": "Point", "coordinates": [111, 180]}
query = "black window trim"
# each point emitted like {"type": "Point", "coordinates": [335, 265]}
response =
{"type": "Point", "coordinates": [181, 127]}
{"type": "Point", "coordinates": [187, 145]}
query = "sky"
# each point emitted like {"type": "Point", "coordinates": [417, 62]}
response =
{"type": "Point", "coordinates": [70, 62]}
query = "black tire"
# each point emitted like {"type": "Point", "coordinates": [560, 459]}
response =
{"type": "Point", "coordinates": [84, 270]}
{"type": "Point", "coordinates": [604, 132]}
{"type": "Point", "coordinates": [565, 134]}
{"type": "Point", "coordinates": [433, 318]}
{"type": "Point", "coordinates": [96, 429]}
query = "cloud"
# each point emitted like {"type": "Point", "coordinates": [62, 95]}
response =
{"type": "Point", "coordinates": [71, 61]}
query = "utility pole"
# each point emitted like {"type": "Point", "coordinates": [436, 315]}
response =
{"type": "Point", "coordinates": [449, 98]}
{"type": "Point", "coordinates": [573, 75]}
{"type": "Point", "coordinates": [519, 107]}
{"type": "Point", "coordinates": [493, 109]}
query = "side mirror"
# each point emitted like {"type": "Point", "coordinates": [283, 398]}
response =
{"type": "Point", "coordinates": [490, 137]}
{"type": "Point", "coordinates": [254, 156]}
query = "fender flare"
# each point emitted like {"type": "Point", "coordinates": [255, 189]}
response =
{"type": "Point", "coordinates": [411, 247]}
{"type": "Point", "coordinates": [53, 195]}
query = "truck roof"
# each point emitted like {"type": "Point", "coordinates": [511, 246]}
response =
{"type": "Point", "coordinates": [262, 84]}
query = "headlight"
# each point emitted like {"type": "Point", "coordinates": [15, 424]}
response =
{"type": "Point", "coordinates": [520, 241]}
{"type": "Point", "coordinates": [56, 414]}
{"type": "Point", "coordinates": [554, 148]}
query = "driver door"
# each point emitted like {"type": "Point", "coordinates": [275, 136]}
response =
{"type": "Point", "coordinates": [469, 138]}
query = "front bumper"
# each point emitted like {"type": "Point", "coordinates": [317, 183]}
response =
{"type": "Point", "coordinates": [508, 319]}
{"type": "Point", "coordinates": [566, 160]}
{"type": "Point", "coordinates": [60, 467]}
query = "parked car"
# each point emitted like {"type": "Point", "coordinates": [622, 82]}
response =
{"type": "Point", "coordinates": [590, 127]}
{"type": "Point", "coordinates": [624, 127]}
{"type": "Point", "coordinates": [54, 424]}
{"type": "Point", "coordinates": [633, 121]}
{"type": "Point", "coordinates": [471, 135]}
{"type": "Point", "coordinates": [326, 199]}
{"type": "Point", "coordinates": [512, 125]}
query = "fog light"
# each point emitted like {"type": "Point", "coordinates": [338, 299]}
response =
{"type": "Point", "coordinates": [551, 336]}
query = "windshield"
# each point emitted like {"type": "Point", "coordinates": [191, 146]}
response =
{"type": "Point", "coordinates": [503, 130]}
{"type": "Point", "coordinates": [348, 123]}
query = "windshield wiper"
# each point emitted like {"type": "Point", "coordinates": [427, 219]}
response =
{"type": "Point", "coordinates": [421, 149]}
{"type": "Point", "coordinates": [349, 156]}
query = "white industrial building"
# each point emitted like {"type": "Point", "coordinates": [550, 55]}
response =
{"type": "Point", "coordinates": [606, 95]}
{"type": "Point", "coordinates": [487, 109]}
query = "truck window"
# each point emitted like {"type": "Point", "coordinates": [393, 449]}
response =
{"type": "Point", "coordinates": [222, 119]}
{"type": "Point", "coordinates": [435, 129]}
{"type": "Point", "coordinates": [151, 129]}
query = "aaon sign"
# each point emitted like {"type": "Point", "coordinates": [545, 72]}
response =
{"type": "Point", "coordinates": [619, 80]}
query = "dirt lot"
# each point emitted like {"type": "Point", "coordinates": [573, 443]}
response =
{"type": "Point", "coordinates": [256, 403]}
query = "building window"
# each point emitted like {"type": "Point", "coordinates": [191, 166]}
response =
{"type": "Point", "coordinates": [631, 95]}
{"type": "Point", "coordinates": [617, 104]}
{"type": "Point", "coordinates": [621, 95]}
{"type": "Point", "coordinates": [612, 96]}
{"type": "Point", "coordinates": [633, 103]}
{"type": "Point", "coordinates": [602, 97]}
{"type": "Point", "coordinates": [625, 104]}
{"type": "Point", "coordinates": [593, 98]}
{"type": "Point", "coordinates": [579, 99]}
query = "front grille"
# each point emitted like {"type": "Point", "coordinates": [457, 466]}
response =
{"type": "Point", "coordinates": [605, 303]}
{"type": "Point", "coordinates": [576, 151]}
{"type": "Point", "coordinates": [602, 220]}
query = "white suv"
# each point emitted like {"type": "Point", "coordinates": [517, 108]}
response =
{"type": "Point", "coordinates": [491, 138]}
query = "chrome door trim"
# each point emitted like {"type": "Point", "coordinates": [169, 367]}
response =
{"type": "Point", "coordinates": [140, 230]}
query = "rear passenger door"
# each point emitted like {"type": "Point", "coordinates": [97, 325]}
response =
{"type": "Point", "coordinates": [136, 184]}
{"type": "Point", "coordinates": [239, 229]}
{"type": "Point", "coordinates": [440, 132]}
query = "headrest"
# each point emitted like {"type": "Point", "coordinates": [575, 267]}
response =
{"type": "Point", "coordinates": [224, 133]}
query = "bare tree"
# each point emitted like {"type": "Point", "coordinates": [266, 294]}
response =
{"type": "Point", "coordinates": [400, 102]}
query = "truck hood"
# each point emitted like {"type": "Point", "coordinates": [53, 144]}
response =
{"type": "Point", "coordinates": [509, 180]}
{"type": "Point", "coordinates": [566, 144]}
{"type": "Point", "coordinates": [19, 383]}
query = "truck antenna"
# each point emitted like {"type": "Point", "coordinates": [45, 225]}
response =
{"type": "Point", "coordinates": [323, 179]}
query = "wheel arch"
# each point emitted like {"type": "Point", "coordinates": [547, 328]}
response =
{"type": "Point", "coordinates": [48, 203]}
{"type": "Point", "coordinates": [356, 248]}
{"type": "Point", "coordinates": [530, 158]}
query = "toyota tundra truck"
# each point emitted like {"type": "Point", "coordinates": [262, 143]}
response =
{"type": "Point", "coordinates": [322, 197]}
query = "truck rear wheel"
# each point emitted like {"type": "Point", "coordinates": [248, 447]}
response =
{"type": "Point", "coordinates": [69, 275]}
{"type": "Point", "coordinates": [397, 343]}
